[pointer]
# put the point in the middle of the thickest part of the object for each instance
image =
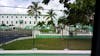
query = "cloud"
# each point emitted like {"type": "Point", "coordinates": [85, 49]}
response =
{"type": "Point", "coordinates": [53, 4]}
{"type": "Point", "coordinates": [9, 10]}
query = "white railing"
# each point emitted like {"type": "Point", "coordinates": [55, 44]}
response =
{"type": "Point", "coordinates": [46, 51]}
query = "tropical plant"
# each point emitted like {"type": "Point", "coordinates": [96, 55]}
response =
{"type": "Point", "coordinates": [34, 10]}
{"type": "Point", "coordinates": [40, 23]}
{"type": "Point", "coordinates": [63, 20]}
{"type": "Point", "coordinates": [80, 11]}
{"type": "Point", "coordinates": [51, 17]}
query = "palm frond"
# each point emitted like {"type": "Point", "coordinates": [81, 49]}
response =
{"type": "Point", "coordinates": [30, 12]}
{"type": "Point", "coordinates": [54, 14]}
{"type": "Point", "coordinates": [40, 8]}
{"type": "Point", "coordinates": [47, 18]}
{"type": "Point", "coordinates": [39, 13]}
{"type": "Point", "coordinates": [34, 10]}
{"type": "Point", "coordinates": [35, 3]}
{"type": "Point", "coordinates": [30, 7]}
{"type": "Point", "coordinates": [54, 17]}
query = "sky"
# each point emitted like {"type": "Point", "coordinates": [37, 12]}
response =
{"type": "Point", "coordinates": [53, 4]}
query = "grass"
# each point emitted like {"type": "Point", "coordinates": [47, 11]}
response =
{"type": "Point", "coordinates": [18, 45]}
{"type": "Point", "coordinates": [38, 54]}
{"type": "Point", "coordinates": [49, 44]}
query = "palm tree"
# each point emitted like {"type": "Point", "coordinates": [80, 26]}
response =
{"type": "Point", "coordinates": [50, 17]}
{"type": "Point", "coordinates": [34, 10]}
{"type": "Point", "coordinates": [62, 21]}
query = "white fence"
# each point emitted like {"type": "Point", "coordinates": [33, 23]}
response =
{"type": "Point", "coordinates": [46, 51]}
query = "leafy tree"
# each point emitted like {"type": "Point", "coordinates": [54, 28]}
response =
{"type": "Point", "coordinates": [80, 11]}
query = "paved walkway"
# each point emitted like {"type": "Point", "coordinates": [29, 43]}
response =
{"type": "Point", "coordinates": [21, 38]}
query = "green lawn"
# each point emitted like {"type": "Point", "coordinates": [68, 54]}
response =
{"type": "Point", "coordinates": [49, 44]}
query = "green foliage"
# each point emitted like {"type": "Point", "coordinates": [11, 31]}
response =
{"type": "Point", "coordinates": [21, 21]}
{"type": "Point", "coordinates": [41, 23]}
{"type": "Point", "coordinates": [50, 22]}
{"type": "Point", "coordinates": [34, 10]}
{"type": "Point", "coordinates": [80, 11]}
{"type": "Point", "coordinates": [63, 20]}
{"type": "Point", "coordinates": [45, 1]}
{"type": "Point", "coordinates": [3, 25]}
{"type": "Point", "coordinates": [50, 15]}
{"type": "Point", "coordinates": [47, 30]}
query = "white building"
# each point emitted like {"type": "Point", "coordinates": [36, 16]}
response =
{"type": "Point", "coordinates": [18, 20]}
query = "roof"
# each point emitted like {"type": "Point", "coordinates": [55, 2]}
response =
{"type": "Point", "coordinates": [18, 14]}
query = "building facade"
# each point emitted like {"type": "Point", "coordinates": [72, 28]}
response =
{"type": "Point", "coordinates": [18, 20]}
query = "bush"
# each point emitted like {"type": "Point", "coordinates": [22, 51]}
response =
{"type": "Point", "coordinates": [47, 30]}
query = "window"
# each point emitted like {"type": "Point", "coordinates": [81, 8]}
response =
{"type": "Point", "coordinates": [30, 22]}
{"type": "Point", "coordinates": [16, 17]}
{"type": "Point", "coordinates": [11, 22]}
{"type": "Point", "coordinates": [2, 22]}
{"type": "Point", "coordinates": [34, 22]}
{"type": "Point", "coordinates": [11, 16]}
{"type": "Point", "coordinates": [25, 22]}
{"type": "Point", "coordinates": [7, 22]}
{"type": "Point", "coordinates": [25, 17]}
{"type": "Point", "coordinates": [16, 22]}
{"type": "Point", "coordinates": [7, 16]}
{"type": "Point", "coordinates": [2, 16]}
{"type": "Point", "coordinates": [20, 16]}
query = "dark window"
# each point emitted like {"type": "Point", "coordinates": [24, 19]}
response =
{"type": "Point", "coordinates": [11, 16]}
{"type": "Point", "coordinates": [16, 22]}
{"type": "Point", "coordinates": [30, 22]}
{"type": "Point", "coordinates": [20, 16]}
{"type": "Point", "coordinates": [25, 22]}
{"type": "Point", "coordinates": [7, 22]}
{"type": "Point", "coordinates": [2, 22]}
{"type": "Point", "coordinates": [12, 22]}
{"type": "Point", "coordinates": [34, 22]}
{"type": "Point", "coordinates": [25, 17]}
{"type": "Point", "coordinates": [2, 16]}
{"type": "Point", "coordinates": [16, 17]}
{"type": "Point", "coordinates": [7, 16]}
